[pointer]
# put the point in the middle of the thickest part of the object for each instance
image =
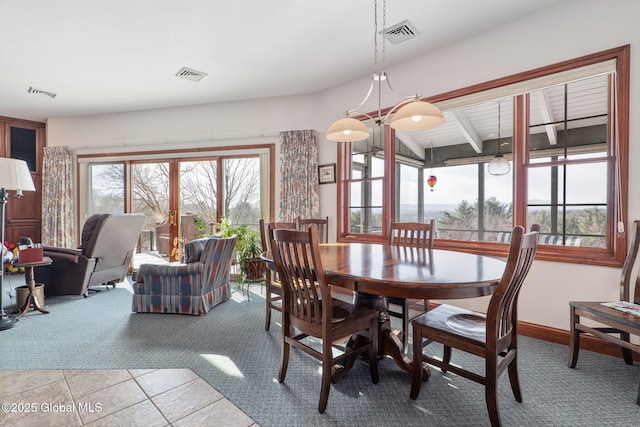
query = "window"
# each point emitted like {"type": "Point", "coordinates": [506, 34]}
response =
{"type": "Point", "coordinates": [568, 162]}
{"type": "Point", "coordinates": [183, 194]}
{"type": "Point", "coordinates": [365, 184]}
{"type": "Point", "coordinates": [564, 130]}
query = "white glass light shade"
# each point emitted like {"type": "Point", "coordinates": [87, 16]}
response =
{"type": "Point", "coordinates": [15, 175]}
{"type": "Point", "coordinates": [417, 115]}
{"type": "Point", "coordinates": [347, 130]}
{"type": "Point", "coordinates": [499, 165]}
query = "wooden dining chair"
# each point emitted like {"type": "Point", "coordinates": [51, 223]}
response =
{"type": "Point", "coordinates": [614, 326]}
{"type": "Point", "coordinates": [493, 336]}
{"type": "Point", "coordinates": [273, 287]}
{"type": "Point", "coordinates": [308, 310]}
{"type": "Point", "coordinates": [321, 223]}
{"type": "Point", "coordinates": [409, 234]}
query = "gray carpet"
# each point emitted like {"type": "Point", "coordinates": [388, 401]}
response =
{"type": "Point", "coordinates": [229, 348]}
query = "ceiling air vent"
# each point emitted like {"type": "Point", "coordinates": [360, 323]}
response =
{"type": "Point", "coordinates": [190, 74]}
{"type": "Point", "coordinates": [36, 91]}
{"type": "Point", "coordinates": [400, 32]}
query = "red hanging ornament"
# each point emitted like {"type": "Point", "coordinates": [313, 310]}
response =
{"type": "Point", "coordinates": [432, 181]}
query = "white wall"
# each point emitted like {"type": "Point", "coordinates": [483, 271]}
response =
{"type": "Point", "coordinates": [570, 30]}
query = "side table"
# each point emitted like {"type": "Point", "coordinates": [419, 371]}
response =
{"type": "Point", "coordinates": [31, 283]}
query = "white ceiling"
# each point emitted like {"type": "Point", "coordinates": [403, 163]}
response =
{"type": "Point", "coordinates": [122, 55]}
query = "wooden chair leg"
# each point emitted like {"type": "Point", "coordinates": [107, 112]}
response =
{"type": "Point", "coordinates": [514, 380]}
{"type": "Point", "coordinates": [491, 391]}
{"type": "Point", "coordinates": [267, 319]}
{"type": "Point", "coordinates": [627, 354]}
{"type": "Point", "coordinates": [574, 338]}
{"type": "Point", "coordinates": [416, 381]}
{"type": "Point", "coordinates": [327, 358]}
{"type": "Point", "coordinates": [446, 357]}
{"type": "Point", "coordinates": [284, 360]}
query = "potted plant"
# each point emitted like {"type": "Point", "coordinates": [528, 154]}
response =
{"type": "Point", "coordinates": [248, 249]}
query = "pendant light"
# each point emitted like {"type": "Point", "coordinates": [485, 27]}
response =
{"type": "Point", "coordinates": [499, 165]}
{"type": "Point", "coordinates": [412, 114]}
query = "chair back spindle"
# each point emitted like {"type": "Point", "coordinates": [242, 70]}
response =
{"type": "Point", "coordinates": [322, 224]}
{"type": "Point", "coordinates": [272, 282]}
{"type": "Point", "coordinates": [412, 234]}
{"type": "Point", "coordinates": [304, 292]}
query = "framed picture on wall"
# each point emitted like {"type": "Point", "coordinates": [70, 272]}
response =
{"type": "Point", "coordinates": [327, 173]}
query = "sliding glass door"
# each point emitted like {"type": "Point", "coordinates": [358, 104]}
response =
{"type": "Point", "coordinates": [182, 199]}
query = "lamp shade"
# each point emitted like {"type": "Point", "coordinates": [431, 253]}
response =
{"type": "Point", "coordinates": [15, 175]}
{"type": "Point", "coordinates": [417, 115]}
{"type": "Point", "coordinates": [347, 129]}
{"type": "Point", "coordinates": [499, 165]}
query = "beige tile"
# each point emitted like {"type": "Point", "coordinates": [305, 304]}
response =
{"type": "Point", "coordinates": [111, 400]}
{"type": "Point", "coordinates": [82, 383]}
{"type": "Point", "coordinates": [137, 372]}
{"type": "Point", "coordinates": [188, 398]}
{"type": "Point", "coordinates": [143, 414]}
{"type": "Point", "coordinates": [182, 396]}
{"type": "Point", "coordinates": [162, 380]}
{"type": "Point", "coordinates": [23, 380]}
{"type": "Point", "coordinates": [50, 404]}
{"type": "Point", "coordinates": [220, 414]}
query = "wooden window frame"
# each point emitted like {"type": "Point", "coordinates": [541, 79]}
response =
{"type": "Point", "coordinates": [617, 192]}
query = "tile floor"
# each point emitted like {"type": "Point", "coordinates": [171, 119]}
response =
{"type": "Point", "coordinates": [120, 397]}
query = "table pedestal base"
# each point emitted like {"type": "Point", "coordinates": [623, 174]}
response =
{"type": "Point", "coordinates": [388, 342]}
{"type": "Point", "coordinates": [31, 301]}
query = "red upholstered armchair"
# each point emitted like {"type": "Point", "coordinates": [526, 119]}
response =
{"type": "Point", "coordinates": [108, 242]}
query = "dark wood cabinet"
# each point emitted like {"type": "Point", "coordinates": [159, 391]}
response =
{"type": "Point", "coordinates": [24, 140]}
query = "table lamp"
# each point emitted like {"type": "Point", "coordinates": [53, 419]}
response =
{"type": "Point", "coordinates": [14, 176]}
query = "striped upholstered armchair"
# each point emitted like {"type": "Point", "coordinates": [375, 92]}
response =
{"type": "Point", "coordinates": [193, 286]}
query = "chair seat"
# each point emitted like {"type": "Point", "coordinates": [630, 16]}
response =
{"type": "Point", "coordinates": [345, 311]}
{"type": "Point", "coordinates": [596, 310]}
{"type": "Point", "coordinates": [342, 311]}
{"type": "Point", "coordinates": [455, 321]}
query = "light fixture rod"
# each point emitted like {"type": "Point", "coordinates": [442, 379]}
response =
{"type": "Point", "coordinates": [499, 125]}
{"type": "Point", "coordinates": [411, 114]}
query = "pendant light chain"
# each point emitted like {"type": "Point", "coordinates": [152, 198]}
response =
{"type": "Point", "coordinates": [411, 114]}
{"type": "Point", "coordinates": [384, 28]}
{"type": "Point", "coordinates": [499, 103]}
{"type": "Point", "coordinates": [499, 166]}
{"type": "Point", "coordinates": [375, 38]}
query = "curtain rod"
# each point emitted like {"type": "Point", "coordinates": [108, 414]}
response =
{"type": "Point", "coordinates": [177, 140]}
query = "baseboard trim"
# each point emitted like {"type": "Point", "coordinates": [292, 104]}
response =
{"type": "Point", "coordinates": [561, 336]}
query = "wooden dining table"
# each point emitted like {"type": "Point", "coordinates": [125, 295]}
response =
{"type": "Point", "coordinates": [377, 271]}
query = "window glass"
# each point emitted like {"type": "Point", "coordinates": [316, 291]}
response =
{"type": "Point", "coordinates": [106, 192]}
{"type": "Point", "coordinates": [408, 194]}
{"type": "Point", "coordinates": [365, 188]}
{"type": "Point", "coordinates": [567, 193]}
{"type": "Point", "coordinates": [198, 198]}
{"type": "Point", "coordinates": [242, 190]}
{"type": "Point", "coordinates": [453, 202]}
{"type": "Point", "coordinates": [366, 206]}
